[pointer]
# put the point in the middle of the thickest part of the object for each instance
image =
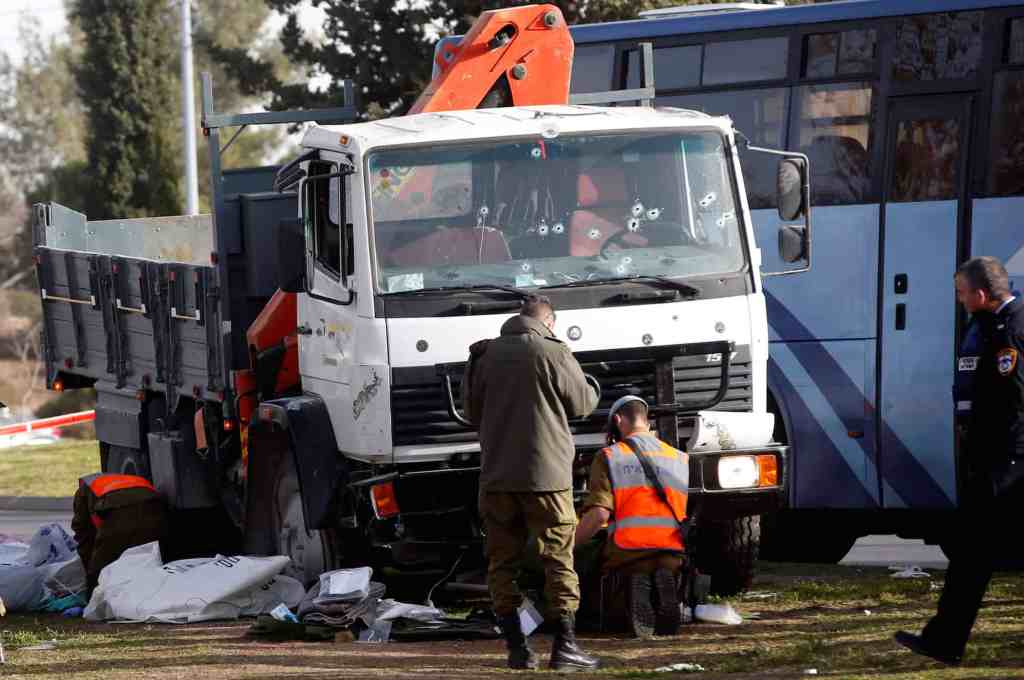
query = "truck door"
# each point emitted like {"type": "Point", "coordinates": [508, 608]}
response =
{"type": "Point", "coordinates": [326, 313]}
{"type": "Point", "coordinates": [924, 215]}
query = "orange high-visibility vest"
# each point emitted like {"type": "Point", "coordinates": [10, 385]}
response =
{"type": "Point", "coordinates": [100, 484]}
{"type": "Point", "coordinates": [641, 520]}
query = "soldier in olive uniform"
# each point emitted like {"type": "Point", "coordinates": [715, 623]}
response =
{"type": "Point", "coordinates": [520, 390]}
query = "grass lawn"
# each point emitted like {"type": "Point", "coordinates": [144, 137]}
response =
{"type": "Point", "coordinates": [47, 470]}
{"type": "Point", "coordinates": [837, 621]}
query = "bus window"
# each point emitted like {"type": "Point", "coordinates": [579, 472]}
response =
{"type": "Point", "coordinates": [744, 61]}
{"type": "Point", "coordinates": [938, 46]}
{"type": "Point", "coordinates": [761, 116]}
{"type": "Point", "coordinates": [834, 129]}
{"type": "Point", "coordinates": [675, 68]}
{"type": "Point", "coordinates": [1015, 47]}
{"type": "Point", "coordinates": [927, 160]}
{"type": "Point", "coordinates": [1006, 150]}
{"type": "Point", "coordinates": [846, 53]}
{"type": "Point", "coordinates": [592, 68]}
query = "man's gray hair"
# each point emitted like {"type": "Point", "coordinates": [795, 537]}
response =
{"type": "Point", "coordinates": [987, 274]}
{"type": "Point", "coordinates": [537, 306]}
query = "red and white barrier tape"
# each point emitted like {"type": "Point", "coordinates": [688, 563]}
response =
{"type": "Point", "coordinates": [49, 423]}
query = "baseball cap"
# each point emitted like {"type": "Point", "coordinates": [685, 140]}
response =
{"type": "Point", "coordinates": [622, 401]}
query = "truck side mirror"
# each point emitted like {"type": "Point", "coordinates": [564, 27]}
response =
{"type": "Point", "coordinates": [291, 256]}
{"type": "Point", "coordinates": [793, 243]}
{"type": "Point", "coordinates": [792, 189]}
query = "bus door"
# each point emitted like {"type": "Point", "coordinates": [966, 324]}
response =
{"type": "Point", "coordinates": [923, 215]}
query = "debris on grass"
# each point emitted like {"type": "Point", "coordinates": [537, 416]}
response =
{"type": "Point", "coordinates": [681, 668]}
{"type": "Point", "coordinates": [909, 571]}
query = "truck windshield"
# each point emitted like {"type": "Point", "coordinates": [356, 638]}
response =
{"type": "Point", "coordinates": [543, 212]}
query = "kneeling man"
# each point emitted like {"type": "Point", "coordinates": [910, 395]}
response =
{"type": "Point", "coordinates": [638, 487]}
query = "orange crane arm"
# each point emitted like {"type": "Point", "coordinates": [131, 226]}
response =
{"type": "Point", "coordinates": [520, 56]}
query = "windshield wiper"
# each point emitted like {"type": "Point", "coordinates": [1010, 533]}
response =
{"type": "Point", "coordinates": [521, 294]}
{"type": "Point", "coordinates": [686, 289]}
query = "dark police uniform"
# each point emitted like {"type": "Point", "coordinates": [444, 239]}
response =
{"type": "Point", "coordinates": [994, 490]}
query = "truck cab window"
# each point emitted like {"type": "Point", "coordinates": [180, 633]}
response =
{"type": "Point", "coordinates": [324, 215]}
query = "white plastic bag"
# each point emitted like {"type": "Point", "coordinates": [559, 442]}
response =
{"type": "Point", "coordinates": [344, 585]}
{"type": "Point", "coordinates": [717, 613]}
{"type": "Point", "coordinates": [139, 587]}
{"type": "Point", "coordinates": [388, 610]}
{"type": "Point", "coordinates": [721, 431]}
{"type": "Point", "coordinates": [26, 567]}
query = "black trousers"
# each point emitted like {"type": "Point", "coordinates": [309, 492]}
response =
{"type": "Point", "coordinates": [967, 580]}
{"type": "Point", "coordinates": [971, 565]}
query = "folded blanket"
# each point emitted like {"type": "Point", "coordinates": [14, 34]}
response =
{"type": "Point", "coordinates": [338, 614]}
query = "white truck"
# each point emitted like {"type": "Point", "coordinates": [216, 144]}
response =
{"type": "Point", "coordinates": [302, 375]}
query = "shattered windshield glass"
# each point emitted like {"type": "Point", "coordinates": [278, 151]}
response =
{"type": "Point", "coordinates": [540, 212]}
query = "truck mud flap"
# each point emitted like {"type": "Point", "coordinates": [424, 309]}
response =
{"type": "Point", "coordinates": [321, 469]}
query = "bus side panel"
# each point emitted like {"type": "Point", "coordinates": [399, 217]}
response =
{"type": "Point", "coordinates": [996, 230]}
{"type": "Point", "coordinates": [822, 367]}
{"type": "Point", "coordinates": [918, 341]}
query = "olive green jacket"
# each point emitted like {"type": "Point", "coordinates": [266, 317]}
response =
{"type": "Point", "coordinates": [520, 390]}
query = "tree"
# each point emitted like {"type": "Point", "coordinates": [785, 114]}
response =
{"type": "Point", "coordinates": [385, 46]}
{"type": "Point", "coordinates": [128, 86]}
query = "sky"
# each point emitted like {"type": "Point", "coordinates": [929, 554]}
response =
{"type": "Point", "coordinates": [47, 15]}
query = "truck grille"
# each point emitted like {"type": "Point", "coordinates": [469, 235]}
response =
{"type": "Point", "coordinates": [420, 415]}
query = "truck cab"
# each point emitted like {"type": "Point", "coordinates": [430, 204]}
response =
{"type": "Point", "coordinates": [421, 235]}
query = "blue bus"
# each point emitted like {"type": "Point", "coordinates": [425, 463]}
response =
{"type": "Point", "coordinates": [912, 114]}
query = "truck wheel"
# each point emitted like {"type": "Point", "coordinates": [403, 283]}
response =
{"type": "Point", "coordinates": [122, 460]}
{"type": "Point", "coordinates": [311, 552]}
{"type": "Point", "coordinates": [728, 551]}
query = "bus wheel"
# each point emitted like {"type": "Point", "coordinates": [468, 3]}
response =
{"type": "Point", "coordinates": [728, 551]}
{"type": "Point", "coordinates": [311, 552]}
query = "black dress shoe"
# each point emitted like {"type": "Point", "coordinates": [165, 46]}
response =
{"type": "Point", "coordinates": [917, 645]}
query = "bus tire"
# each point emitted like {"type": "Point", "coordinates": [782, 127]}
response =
{"type": "Point", "coordinates": [728, 552]}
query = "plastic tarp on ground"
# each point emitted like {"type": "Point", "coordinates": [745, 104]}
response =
{"type": "Point", "coordinates": [139, 587]}
{"type": "Point", "coordinates": [25, 568]}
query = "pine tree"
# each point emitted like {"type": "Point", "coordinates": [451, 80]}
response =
{"type": "Point", "coordinates": [128, 85]}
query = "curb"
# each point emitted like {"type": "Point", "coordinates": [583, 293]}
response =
{"type": "Point", "coordinates": [36, 503]}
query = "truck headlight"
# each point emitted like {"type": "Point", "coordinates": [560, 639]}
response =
{"type": "Point", "coordinates": [737, 472]}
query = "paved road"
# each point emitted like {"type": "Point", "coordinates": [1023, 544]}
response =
{"type": "Point", "coordinates": [884, 551]}
{"type": "Point", "coordinates": [22, 524]}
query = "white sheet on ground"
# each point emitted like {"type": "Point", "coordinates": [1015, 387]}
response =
{"type": "Point", "coordinates": [25, 568]}
{"type": "Point", "coordinates": [140, 587]}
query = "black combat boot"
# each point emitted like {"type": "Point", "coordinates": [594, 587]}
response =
{"type": "Point", "coordinates": [667, 615]}
{"type": "Point", "coordinates": [520, 656]}
{"type": "Point", "coordinates": [566, 655]}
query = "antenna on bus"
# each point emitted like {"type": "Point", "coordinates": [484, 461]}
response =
{"type": "Point", "coordinates": [700, 10]}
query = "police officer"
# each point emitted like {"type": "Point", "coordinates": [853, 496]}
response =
{"type": "Point", "coordinates": [520, 390]}
{"type": "Point", "coordinates": [994, 489]}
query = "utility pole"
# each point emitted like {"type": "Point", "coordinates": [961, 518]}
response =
{"type": "Point", "coordinates": [188, 105]}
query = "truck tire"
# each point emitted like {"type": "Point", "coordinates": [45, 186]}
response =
{"type": "Point", "coordinates": [311, 552]}
{"type": "Point", "coordinates": [122, 460]}
{"type": "Point", "coordinates": [728, 551]}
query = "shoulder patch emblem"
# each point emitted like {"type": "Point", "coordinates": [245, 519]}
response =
{"type": "Point", "coordinates": [1006, 361]}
